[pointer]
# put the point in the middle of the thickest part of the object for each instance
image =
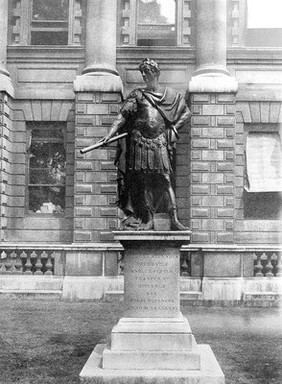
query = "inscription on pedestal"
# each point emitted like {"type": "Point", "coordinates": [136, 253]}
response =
{"type": "Point", "coordinates": [152, 282]}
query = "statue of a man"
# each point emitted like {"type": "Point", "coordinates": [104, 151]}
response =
{"type": "Point", "coordinates": [151, 116]}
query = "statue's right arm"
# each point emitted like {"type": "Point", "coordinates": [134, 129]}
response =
{"type": "Point", "coordinates": [115, 128]}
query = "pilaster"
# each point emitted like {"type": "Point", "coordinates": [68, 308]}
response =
{"type": "Point", "coordinates": [5, 80]}
{"type": "Point", "coordinates": [98, 96]}
{"type": "Point", "coordinates": [212, 190]}
{"type": "Point", "coordinates": [5, 161]}
{"type": "Point", "coordinates": [213, 95]}
{"type": "Point", "coordinates": [95, 212]}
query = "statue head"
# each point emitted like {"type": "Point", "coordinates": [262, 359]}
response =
{"type": "Point", "coordinates": [151, 65]}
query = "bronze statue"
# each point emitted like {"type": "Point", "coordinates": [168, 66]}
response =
{"type": "Point", "coordinates": [151, 117]}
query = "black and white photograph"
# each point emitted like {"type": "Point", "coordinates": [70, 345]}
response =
{"type": "Point", "coordinates": [140, 191]}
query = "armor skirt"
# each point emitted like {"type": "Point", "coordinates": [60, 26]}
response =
{"type": "Point", "coordinates": [149, 155]}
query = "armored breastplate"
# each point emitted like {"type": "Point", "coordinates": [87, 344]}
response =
{"type": "Point", "coordinates": [149, 121]}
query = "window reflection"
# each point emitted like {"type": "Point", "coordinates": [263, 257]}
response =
{"type": "Point", "coordinates": [50, 10]}
{"type": "Point", "coordinates": [47, 168]}
{"type": "Point", "coordinates": [156, 22]}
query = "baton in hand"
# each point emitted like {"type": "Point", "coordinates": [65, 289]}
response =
{"type": "Point", "coordinates": [103, 144]}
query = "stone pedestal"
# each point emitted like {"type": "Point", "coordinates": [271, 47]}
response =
{"type": "Point", "coordinates": [153, 342]}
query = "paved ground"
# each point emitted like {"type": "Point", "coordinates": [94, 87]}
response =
{"type": "Point", "coordinates": [47, 341]}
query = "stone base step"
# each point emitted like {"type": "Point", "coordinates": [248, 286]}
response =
{"type": "Point", "coordinates": [151, 360]}
{"type": "Point", "coordinates": [210, 372]}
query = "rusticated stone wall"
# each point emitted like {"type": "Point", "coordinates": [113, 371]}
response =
{"type": "Point", "coordinates": [5, 161]}
{"type": "Point", "coordinates": [213, 167]}
{"type": "Point", "coordinates": [95, 211]}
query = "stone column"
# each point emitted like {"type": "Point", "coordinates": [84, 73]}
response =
{"type": "Point", "coordinates": [5, 80]}
{"type": "Point", "coordinates": [100, 74]}
{"type": "Point", "coordinates": [211, 73]}
{"type": "Point", "coordinates": [100, 54]}
{"type": "Point", "coordinates": [213, 130]}
{"type": "Point", "coordinates": [211, 37]}
{"type": "Point", "coordinates": [98, 97]}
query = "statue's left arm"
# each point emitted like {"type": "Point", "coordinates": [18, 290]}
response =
{"type": "Point", "coordinates": [183, 118]}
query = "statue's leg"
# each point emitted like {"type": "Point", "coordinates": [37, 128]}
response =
{"type": "Point", "coordinates": [147, 205]}
{"type": "Point", "coordinates": [175, 223]}
{"type": "Point", "coordinates": [128, 195]}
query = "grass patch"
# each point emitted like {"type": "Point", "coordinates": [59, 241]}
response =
{"type": "Point", "coordinates": [48, 341]}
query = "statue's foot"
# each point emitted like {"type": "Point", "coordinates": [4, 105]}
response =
{"type": "Point", "coordinates": [146, 226]}
{"type": "Point", "coordinates": [177, 226]}
{"type": "Point", "coordinates": [130, 224]}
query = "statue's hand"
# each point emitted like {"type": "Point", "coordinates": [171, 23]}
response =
{"type": "Point", "coordinates": [104, 140]}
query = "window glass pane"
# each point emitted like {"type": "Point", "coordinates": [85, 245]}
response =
{"type": "Point", "coordinates": [50, 9]}
{"type": "Point", "coordinates": [156, 12]}
{"type": "Point", "coordinates": [263, 161]}
{"type": "Point", "coordinates": [47, 176]}
{"type": "Point", "coordinates": [47, 199]}
{"type": "Point", "coordinates": [263, 205]}
{"type": "Point", "coordinates": [47, 168]}
{"type": "Point", "coordinates": [49, 24]}
{"type": "Point", "coordinates": [264, 23]}
{"type": "Point", "coordinates": [156, 22]}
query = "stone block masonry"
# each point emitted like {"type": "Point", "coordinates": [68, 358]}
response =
{"type": "Point", "coordinates": [95, 212]}
{"type": "Point", "coordinates": [5, 161]}
{"type": "Point", "coordinates": [212, 167]}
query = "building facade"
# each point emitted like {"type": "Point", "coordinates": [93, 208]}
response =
{"type": "Point", "coordinates": [65, 68]}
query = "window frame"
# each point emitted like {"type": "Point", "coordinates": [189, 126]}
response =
{"type": "Point", "coordinates": [21, 27]}
{"type": "Point", "coordinates": [29, 128]}
{"type": "Point", "coordinates": [127, 23]}
{"type": "Point", "coordinates": [139, 26]}
{"type": "Point", "coordinates": [258, 128]}
{"type": "Point", "coordinates": [64, 25]}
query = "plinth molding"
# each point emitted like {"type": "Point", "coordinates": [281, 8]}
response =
{"type": "Point", "coordinates": [213, 84]}
{"type": "Point", "coordinates": [98, 82]}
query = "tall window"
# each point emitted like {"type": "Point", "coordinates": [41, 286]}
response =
{"type": "Point", "coordinates": [263, 187]}
{"type": "Point", "coordinates": [46, 22]}
{"type": "Point", "coordinates": [47, 168]}
{"type": "Point", "coordinates": [49, 22]}
{"type": "Point", "coordinates": [156, 22]}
